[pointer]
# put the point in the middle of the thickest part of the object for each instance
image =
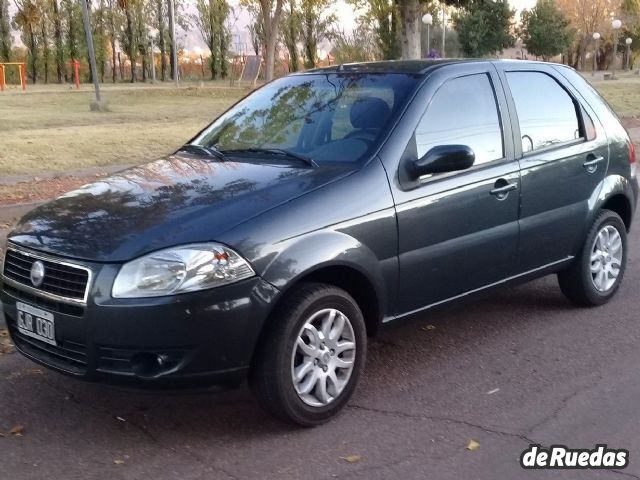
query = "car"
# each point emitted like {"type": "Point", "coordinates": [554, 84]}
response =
{"type": "Point", "coordinates": [317, 210]}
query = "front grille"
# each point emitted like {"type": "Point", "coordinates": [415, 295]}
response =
{"type": "Point", "coordinates": [60, 279]}
{"type": "Point", "coordinates": [69, 356]}
{"type": "Point", "coordinates": [50, 305]}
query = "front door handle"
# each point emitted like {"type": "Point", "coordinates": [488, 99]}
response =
{"type": "Point", "coordinates": [591, 165]}
{"type": "Point", "coordinates": [501, 189]}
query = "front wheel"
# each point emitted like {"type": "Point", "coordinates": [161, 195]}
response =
{"type": "Point", "coordinates": [596, 274]}
{"type": "Point", "coordinates": [307, 367]}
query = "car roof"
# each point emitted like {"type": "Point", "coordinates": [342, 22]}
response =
{"type": "Point", "coordinates": [405, 66]}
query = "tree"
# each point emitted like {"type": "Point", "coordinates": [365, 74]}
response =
{"type": "Point", "coordinates": [128, 39]}
{"type": "Point", "coordinates": [587, 17]}
{"type": "Point", "coordinates": [359, 46]}
{"type": "Point", "coordinates": [384, 19]}
{"type": "Point", "coordinates": [291, 26]}
{"type": "Point", "coordinates": [211, 22]}
{"type": "Point", "coordinates": [57, 40]}
{"type": "Point", "coordinates": [316, 26]}
{"type": "Point", "coordinates": [5, 31]}
{"type": "Point", "coordinates": [630, 16]}
{"type": "Point", "coordinates": [484, 27]}
{"type": "Point", "coordinates": [545, 30]}
{"type": "Point", "coordinates": [73, 22]}
{"type": "Point", "coordinates": [411, 23]}
{"type": "Point", "coordinates": [269, 15]}
{"type": "Point", "coordinates": [44, 12]}
{"type": "Point", "coordinates": [410, 31]}
{"type": "Point", "coordinates": [27, 19]}
{"type": "Point", "coordinates": [160, 17]}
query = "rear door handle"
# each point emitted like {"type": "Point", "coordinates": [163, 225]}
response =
{"type": "Point", "coordinates": [501, 192]}
{"type": "Point", "coordinates": [592, 163]}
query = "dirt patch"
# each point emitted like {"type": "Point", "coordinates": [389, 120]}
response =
{"type": "Point", "coordinates": [40, 190]}
{"type": "Point", "coordinates": [631, 122]}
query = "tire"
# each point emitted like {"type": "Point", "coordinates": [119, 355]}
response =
{"type": "Point", "coordinates": [578, 283]}
{"type": "Point", "coordinates": [272, 374]}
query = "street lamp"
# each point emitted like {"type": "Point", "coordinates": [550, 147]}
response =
{"type": "Point", "coordinates": [596, 38]}
{"type": "Point", "coordinates": [615, 24]}
{"type": "Point", "coordinates": [628, 43]}
{"type": "Point", "coordinates": [427, 19]}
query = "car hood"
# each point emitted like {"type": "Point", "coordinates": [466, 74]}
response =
{"type": "Point", "coordinates": [172, 201]}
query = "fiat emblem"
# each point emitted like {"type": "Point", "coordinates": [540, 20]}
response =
{"type": "Point", "coordinates": [37, 273]}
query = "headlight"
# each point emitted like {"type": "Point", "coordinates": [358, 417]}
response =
{"type": "Point", "coordinates": [179, 270]}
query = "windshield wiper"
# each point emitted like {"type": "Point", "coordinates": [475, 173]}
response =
{"type": "Point", "coordinates": [201, 149]}
{"type": "Point", "coordinates": [275, 151]}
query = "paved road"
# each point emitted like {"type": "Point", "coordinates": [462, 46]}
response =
{"type": "Point", "coordinates": [565, 375]}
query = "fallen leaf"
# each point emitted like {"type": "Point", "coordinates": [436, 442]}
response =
{"type": "Point", "coordinates": [428, 327]}
{"type": "Point", "coordinates": [119, 462]}
{"type": "Point", "coordinates": [351, 458]}
{"type": "Point", "coordinates": [473, 445]}
{"type": "Point", "coordinates": [4, 333]}
{"type": "Point", "coordinates": [34, 371]}
{"type": "Point", "coordinates": [18, 430]}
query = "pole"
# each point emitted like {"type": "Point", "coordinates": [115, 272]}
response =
{"type": "Point", "coordinates": [153, 63]}
{"type": "Point", "coordinates": [92, 53]}
{"type": "Point", "coordinates": [615, 53]}
{"type": "Point", "coordinates": [595, 56]}
{"type": "Point", "coordinates": [172, 21]}
{"type": "Point", "coordinates": [428, 46]}
{"type": "Point", "coordinates": [444, 29]}
{"type": "Point", "coordinates": [626, 67]}
{"type": "Point", "coordinates": [2, 78]}
{"type": "Point", "coordinates": [23, 76]}
{"type": "Point", "coordinates": [76, 73]}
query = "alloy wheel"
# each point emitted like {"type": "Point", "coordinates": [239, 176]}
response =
{"type": "Point", "coordinates": [323, 357]}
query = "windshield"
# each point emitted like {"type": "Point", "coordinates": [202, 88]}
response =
{"type": "Point", "coordinates": [324, 117]}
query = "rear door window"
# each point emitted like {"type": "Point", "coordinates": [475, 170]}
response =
{"type": "Point", "coordinates": [546, 112]}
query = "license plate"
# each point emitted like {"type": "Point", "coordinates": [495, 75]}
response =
{"type": "Point", "coordinates": [36, 323]}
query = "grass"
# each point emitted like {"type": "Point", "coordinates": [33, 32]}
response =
{"type": "Point", "coordinates": [623, 94]}
{"type": "Point", "coordinates": [50, 128]}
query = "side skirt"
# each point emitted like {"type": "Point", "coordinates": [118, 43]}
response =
{"type": "Point", "coordinates": [519, 278]}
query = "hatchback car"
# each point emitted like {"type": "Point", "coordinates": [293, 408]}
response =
{"type": "Point", "coordinates": [319, 208]}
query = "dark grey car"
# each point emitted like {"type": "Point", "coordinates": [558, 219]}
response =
{"type": "Point", "coordinates": [316, 210]}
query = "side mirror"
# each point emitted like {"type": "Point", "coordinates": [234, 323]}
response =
{"type": "Point", "coordinates": [444, 158]}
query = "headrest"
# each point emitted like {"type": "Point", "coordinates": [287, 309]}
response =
{"type": "Point", "coordinates": [369, 112]}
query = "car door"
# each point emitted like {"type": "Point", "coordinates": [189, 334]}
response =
{"type": "Point", "coordinates": [458, 231]}
{"type": "Point", "coordinates": [564, 156]}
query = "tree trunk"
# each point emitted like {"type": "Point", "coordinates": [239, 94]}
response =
{"type": "Point", "coordinates": [161, 42]}
{"type": "Point", "coordinates": [270, 24]}
{"type": "Point", "coordinates": [132, 47]}
{"type": "Point", "coordinates": [45, 49]}
{"type": "Point", "coordinates": [34, 54]}
{"type": "Point", "coordinates": [411, 24]}
{"type": "Point", "coordinates": [144, 67]}
{"type": "Point", "coordinates": [171, 47]}
{"type": "Point", "coordinates": [57, 32]}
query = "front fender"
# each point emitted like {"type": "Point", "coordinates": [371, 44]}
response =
{"type": "Point", "coordinates": [308, 253]}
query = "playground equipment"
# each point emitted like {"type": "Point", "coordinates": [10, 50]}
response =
{"type": "Point", "coordinates": [22, 70]}
{"type": "Point", "coordinates": [75, 64]}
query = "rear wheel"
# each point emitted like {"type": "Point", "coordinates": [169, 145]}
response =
{"type": "Point", "coordinates": [597, 272]}
{"type": "Point", "coordinates": [307, 367]}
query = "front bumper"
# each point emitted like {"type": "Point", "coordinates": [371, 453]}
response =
{"type": "Point", "coordinates": [194, 339]}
